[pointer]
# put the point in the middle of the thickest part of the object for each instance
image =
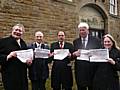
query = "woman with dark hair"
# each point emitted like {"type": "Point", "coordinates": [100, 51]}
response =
{"type": "Point", "coordinates": [106, 77]}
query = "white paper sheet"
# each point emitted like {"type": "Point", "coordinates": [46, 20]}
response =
{"type": "Point", "coordinates": [94, 55]}
{"type": "Point", "coordinates": [99, 55]}
{"type": "Point", "coordinates": [41, 53]}
{"type": "Point", "coordinates": [24, 55]}
{"type": "Point", "coordinates": [60, 54]}
{"type": "Point", "coordinates": [84, 55]}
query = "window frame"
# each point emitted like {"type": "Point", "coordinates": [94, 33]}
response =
{"type": "Point", "coordinates": [113, 7]}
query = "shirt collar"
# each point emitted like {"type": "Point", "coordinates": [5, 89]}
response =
{"type": "Point", "coordinates": [62, 42]}
{"type": "Point", "coordinates": [38, 44]}
{"type": "Point", "coordinates": [86, 38]}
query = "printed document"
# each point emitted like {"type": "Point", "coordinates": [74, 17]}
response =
{"type": "Point", "coordinates": [84, 55]}
{"type": "Point", "coordinates": [60, 54]}
{"type": "Point", "coordinates": [99, 55]}
{"type": "Point", "coordinates": [41, 53]}
{"type": "Point", "coordinates": [94, 55]}
{"type": "Point", "coordinates": [24, 55]}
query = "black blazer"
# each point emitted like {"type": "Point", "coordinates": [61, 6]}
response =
{"type": "Point", "coordinates": [61, 68]}
{"type": "Point", "coordinates": [93, 43]}
{"type": "Point", "coordinates": [14, 72]}
{"type": "Point", "coordinates": [39, 69]}
{"type": "Point", "coordinates": [106, 77]}
{"type": "Point", "coordinates": [84, 71]}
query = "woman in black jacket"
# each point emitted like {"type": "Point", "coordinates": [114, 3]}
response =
{"type": "Point", "coordinates": [106, 77]}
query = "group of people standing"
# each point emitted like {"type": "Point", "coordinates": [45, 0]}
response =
{"type": "Point", "coordinates": [88, 75]}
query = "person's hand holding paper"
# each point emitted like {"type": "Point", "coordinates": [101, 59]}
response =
{"type": "Point", "coordinates": [77, 53]}
{"type": "Point", "coordinates": [25, 55]}
{"type": "Point", "coordinates": [12, 54]}
{"type": "Point", "coordinates": [84, 55]}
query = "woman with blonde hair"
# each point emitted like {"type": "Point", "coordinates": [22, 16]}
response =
{"type": "Point", "coordinates": [106, 77]}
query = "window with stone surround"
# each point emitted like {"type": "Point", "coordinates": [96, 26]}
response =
{"type": "Point", "coordinates": [113, 7]}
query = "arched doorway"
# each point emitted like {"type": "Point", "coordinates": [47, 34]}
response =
{"type": "Point", "coordinates": [95, 17]}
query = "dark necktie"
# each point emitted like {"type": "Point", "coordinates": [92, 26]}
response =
{"type": "Point", "coordinates": [39, 46]}
{"type": "Point", "coordinates": [61, 45]}
{"type": "Point", "coordinates": [83, 43]}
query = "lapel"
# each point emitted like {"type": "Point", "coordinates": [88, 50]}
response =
{"type": "Point", "coordinates": [58, 45]}
{"type": "Point", "coordinates": [14, 44]}
{"type": "Point", "coordinates": [88, 43]}
{"type": "Point", "coordinates": [79, 43]}
{"type": "Point", "coordinates": [65, 46]}
{"type": "Point", "coordinates": [15, 41]}
{"type": "Point", "coordinates": [22, 44]}
{"type": "Point", "coordinates": [34, 45]}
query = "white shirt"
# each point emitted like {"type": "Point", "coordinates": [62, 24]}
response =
{"type": "Point", "coordinates": [62, 44]}
{"type": "Point", "coordinates": [18, 41]}
{"type": "Point", "coordinates": [86, 40]}
{"type": "Point", "coordinates": [38, 45]}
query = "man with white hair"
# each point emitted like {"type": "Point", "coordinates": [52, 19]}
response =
{"type": "Point", "coordinates": [39, 71]}
{"type": "Point", "coordinates": [84, 70]}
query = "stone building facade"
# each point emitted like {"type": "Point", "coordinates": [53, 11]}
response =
{"type": "Point", "coordinates": [50, 16]}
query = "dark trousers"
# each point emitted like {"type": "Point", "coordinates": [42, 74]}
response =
{"type": "Point", "coordinates": [38, 84]}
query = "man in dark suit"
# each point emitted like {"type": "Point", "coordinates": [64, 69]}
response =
{"type": "Point", "coordinates": [14, 72]}
{"type": "Point", "coordinates": [84, 70]}
{"type": "Point", "coordinates": [61, 74]}
{"type": "Point", "coordinates": [38, 71]}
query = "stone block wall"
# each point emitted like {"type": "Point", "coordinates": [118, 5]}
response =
{"type": "Point", "coordinates": [48, 16]}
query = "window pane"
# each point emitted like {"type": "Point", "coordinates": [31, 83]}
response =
{"type": "Point", "coordinates": [113, 7]}
{"type": "Point", "coordinates": [112, 2]}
